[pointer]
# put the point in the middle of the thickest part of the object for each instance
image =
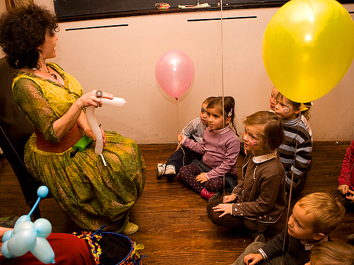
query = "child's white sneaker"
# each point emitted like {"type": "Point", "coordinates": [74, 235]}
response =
{"type": "Point", "coordinates": [160, 170]}
{"type": "Point", "coordinates": [170, 170]}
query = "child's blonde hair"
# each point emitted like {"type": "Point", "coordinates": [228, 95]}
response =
{"type": "Point", "coordinates": [229, 108]}
{"type": "Point", "coordinates": [303, 107]}
{"type": "Point", "coordinates": [326, 212]}
{"type": "Point", "coordinates": [273, 133]}
{"type": "Point", "coordinates": [332, 253]}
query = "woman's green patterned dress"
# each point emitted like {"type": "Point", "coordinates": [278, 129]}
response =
{"type": "Point", "coordinates": [90, 193]}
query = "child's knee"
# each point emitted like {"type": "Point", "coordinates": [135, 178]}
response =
{"type": "Point", "coordinates": [214, 216]}
{"type": "Point", "coordinates": [184, 172]}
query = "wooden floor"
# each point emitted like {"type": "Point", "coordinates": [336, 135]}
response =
{"type": "Point", "coordinates": [173, 224]}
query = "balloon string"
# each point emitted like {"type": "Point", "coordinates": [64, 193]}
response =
{"type": "Point", "coordinates": [291, 184]}
{"type": "Point", "coordinates": [222, 75]}
{"type": "Point", "coordinates": [177, 119]}
{"type": "Point", "coordinates": [222, 49]}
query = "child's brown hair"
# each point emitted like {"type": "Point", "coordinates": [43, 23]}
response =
{"type": "Point", "coordinates": [207, 100]}
{"type": "Point", "coordinates": [273, 134]}
{"type": "Point", "coordinates": [303, 107]}
{"type": "Point", "coordinates": [229, 108]}
{"type": "Point", "coordinates": [332, 253]}
{"type": "Point", "coordinates": [325, 210]}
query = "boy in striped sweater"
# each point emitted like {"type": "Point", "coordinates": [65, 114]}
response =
{"type": "Point", "coordinates": [296, 152]}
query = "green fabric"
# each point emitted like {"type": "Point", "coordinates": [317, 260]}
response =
{"type": "Point", "coordinates": [90, 193]}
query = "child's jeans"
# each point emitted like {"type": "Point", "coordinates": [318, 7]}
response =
{"type": "Point", "coordinates": [182, 157]}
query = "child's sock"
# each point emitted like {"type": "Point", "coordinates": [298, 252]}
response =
{"type": "Point", "coordinates": [170, 170]}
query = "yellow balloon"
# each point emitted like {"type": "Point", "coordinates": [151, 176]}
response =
{"type": "Point", "coordinates": [308, 46]}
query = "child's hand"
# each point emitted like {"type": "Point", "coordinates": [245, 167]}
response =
{"type": "Point", "coordinates": [343, 189]}
{"type": "Point", "coordinates": [180, 138]}
{"type": "Point", "coordinates": [225, 208]}
{"type": "Point", "coordinates": [350, 196]}
{"type": "Point", "coordinates": [202, 177]}
{"type": "Point", "coordinates": [252, 258]}
{"type": "Point", "coordinates": [229, 198]}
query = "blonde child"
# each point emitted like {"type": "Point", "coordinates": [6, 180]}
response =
{"type": "Point", "coordinates": [220, 148]}
{"type": "Point", "coordinates": [273, 99]}
{"type": "Point", "coordinates": [332, 253]}
{"type": "Point", "coordinates": [259, 199]}
{"type": "Point", "coordinates": [184, 156]}
{"type": "Point", "coordinates": [313, 218]}
{"type": "Point", "coordinates": [273, 103]}
{"type": "Point", "coordinates": [298, 142]}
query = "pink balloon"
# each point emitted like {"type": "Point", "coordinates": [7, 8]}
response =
{"type": "Point", "coordinates": [174, 72]}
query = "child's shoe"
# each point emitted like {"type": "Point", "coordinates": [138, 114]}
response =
{"type": "Point", "coordinates": [170, 170]}
{"type": "Point", "coordinates": [160, 170]}
{"type": "Point", "coordinates": [206, 194]}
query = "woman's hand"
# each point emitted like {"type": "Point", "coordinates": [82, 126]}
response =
{"type": "Point", "coordinates": [343, 189]}
{"type": "Point", "coordinates": [202, 177]}
{"type": "Point", "coordinates": [229, 198]}
{"type": "Point", "coordinates": [90, 99]}
{"type": "Point", "coordinates": [90, 134]}
{"type": "Point", "coordinates": [225, 208]}
{"type": "Point", "coordinates": [252, 258]}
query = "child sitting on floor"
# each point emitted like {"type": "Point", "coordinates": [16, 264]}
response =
{"type": "Point", "coordinates": [332, 253]}
{"type": "Point", "coordinates": [345, 190]}
{"type": "Point", "coordinates": [220, 148]}
{"type": "Point", "coordinates": [273, 103]}
{"type": "Point", "coordinates": [259, 199]}
{"type": "Point", "coordinates": [184, 156]}
{"type": "Point", "coordinates": [313, 218]}
{"type": "Point", "coordinates": [298, 142]}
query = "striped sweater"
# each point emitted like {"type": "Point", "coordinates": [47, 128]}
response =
{"type": "Point", "coordinates": [298, 147]}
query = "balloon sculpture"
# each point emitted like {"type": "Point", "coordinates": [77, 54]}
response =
{"type": "Point", "coordinates": [91, 118]}
{"type": "Point", "coordinates": [174, 72]}
{"type": "Point", "coordinates": [308, 46]}
{"type": "Point", "coordinates": [29, 236]}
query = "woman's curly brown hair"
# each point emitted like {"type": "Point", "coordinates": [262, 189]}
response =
{"type": "Point", "coordinates": [22, 32]}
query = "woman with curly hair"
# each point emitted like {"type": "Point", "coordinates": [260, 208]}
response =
{"type": "Point", "coordinates": [91, 193]}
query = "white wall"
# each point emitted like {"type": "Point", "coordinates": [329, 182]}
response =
{"type": "Point", "coordinates": [121, 60]}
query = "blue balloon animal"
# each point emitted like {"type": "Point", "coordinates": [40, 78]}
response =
{"type": "Point", "coordinates": [29, 236]}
